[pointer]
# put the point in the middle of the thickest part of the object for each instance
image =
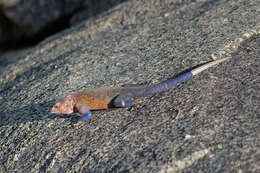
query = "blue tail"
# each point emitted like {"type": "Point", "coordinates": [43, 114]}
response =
{"type": "Point", "coordinates": [163, 85]}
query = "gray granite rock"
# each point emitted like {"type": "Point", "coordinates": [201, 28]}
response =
{"type": "Point", "coordinates": [207, 124]}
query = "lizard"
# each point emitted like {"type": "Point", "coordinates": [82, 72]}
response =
{"type": "Point", "coordinates": [120, 97]}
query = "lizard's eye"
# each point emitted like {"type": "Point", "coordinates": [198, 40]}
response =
{"type": "Point", "coordinates": [67, 105]}
{"type": "Point", "coordinates": [56, 106]}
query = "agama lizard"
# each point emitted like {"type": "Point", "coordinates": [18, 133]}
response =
{"type": "Point", "coordinates": [119, 97]}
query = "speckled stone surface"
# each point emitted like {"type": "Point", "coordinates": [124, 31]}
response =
{"type": "Point", "coordinates": [210, 123]}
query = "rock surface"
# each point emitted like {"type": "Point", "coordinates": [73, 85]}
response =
{"type": "Point", "coordinates": [207, 124]}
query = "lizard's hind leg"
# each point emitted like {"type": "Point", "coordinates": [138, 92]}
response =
{"type": "Point", "coordinates": [122, 102]}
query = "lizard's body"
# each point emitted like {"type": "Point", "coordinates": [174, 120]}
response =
{"type": "Point", "coordinates": [104, 98]}
{"type": "Point", "coordinates": [101, 98]}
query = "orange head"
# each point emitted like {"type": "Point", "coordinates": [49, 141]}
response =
{"type": "Point", "coordinates": [63, 106]}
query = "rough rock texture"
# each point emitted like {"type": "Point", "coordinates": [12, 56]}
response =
{"type": "Point", "coordinates": [210, 123]}
{"type": "Point", "coordinates": [20, 19]}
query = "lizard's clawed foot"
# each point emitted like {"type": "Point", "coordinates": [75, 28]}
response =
{"type": "Point", "coordinates": [86, 113]}
{"type": "Point", "coordinates": [85, 117]}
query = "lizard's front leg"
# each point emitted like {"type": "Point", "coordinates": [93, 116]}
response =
{"type": "Point", "coordinates": [86, 113]}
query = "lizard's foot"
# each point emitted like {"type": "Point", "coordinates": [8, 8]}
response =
{"type": "Point", "coordinates": [86, 113]}
{"type": "Point", "coordinates": [85, 117]}
{"type": "Point", "coordinates": [122, 102]}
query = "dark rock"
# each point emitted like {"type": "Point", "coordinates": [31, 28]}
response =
{"type": "Point", "coordinates": [24, 19]}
